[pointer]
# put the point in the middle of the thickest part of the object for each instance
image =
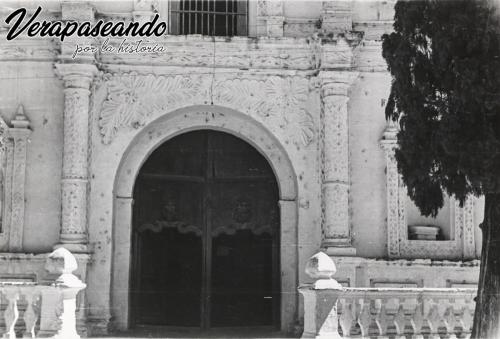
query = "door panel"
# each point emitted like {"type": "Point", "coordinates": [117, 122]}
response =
{"type": "Point", "coordinates": [244, 246]}
{"type": "Point", "coordinates": [169, 239]}
{"type": "Point", "coordinates": [206, 235]}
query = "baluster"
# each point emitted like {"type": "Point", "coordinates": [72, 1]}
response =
{"type": "Point", "coordinates": [346, 318]}
{"type": "Point", "coordinates": [417, 320]}
{"type": "Point", "coordinates": [449, 322]}
{"type": "Point", "coordinates": [460, 322]}
{"type": "Point", "coordinates": [468, 317]}
{"type": "Point", "coordinates": [433, 319]}
{"type": "Point", "coordinates": [381, 319]}
{"type": "Point", "coordinates": [400, 321]}
{"type": "Point", "coordinates": [30, 315]}
{"type": "Point", "coordinates": [11, 313]}
{"type": "Point", "coordinates": [364, 318]}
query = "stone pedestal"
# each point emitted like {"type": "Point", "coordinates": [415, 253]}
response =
{"type": "Point", "coordinates": [320, 299]}
{"type": "Point", "coordinates": [58, 309]}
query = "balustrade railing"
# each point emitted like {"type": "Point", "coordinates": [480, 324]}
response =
{"type": "Point", "coordinates": [331, 311]}
{"type": "Point", "coordinates": [33, 310]}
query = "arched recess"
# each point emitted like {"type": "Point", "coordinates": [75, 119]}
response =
{"type": "Point", "coordinates": [167, 127]}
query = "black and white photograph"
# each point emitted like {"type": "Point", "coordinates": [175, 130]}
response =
{"type": "Point", "coordinates": [250, 169]}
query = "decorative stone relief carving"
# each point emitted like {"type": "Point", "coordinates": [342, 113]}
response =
{"type": "Point", "coordinates": [336, 55]}
{"type": "Point", "coordinates": [239, 52]}
{"type": "Point", "coordinates": [131, 100]}
{"type": "Point", "coordinates": [33, 49]}
{"type": "Point", "coordinates": [335, 162]}
{"type": "Point", "coordinates": [77, 79]}
{"type": "Point", "coordinates": [13, 168]}
{"type": "Point", "coordinates": [398, 244]}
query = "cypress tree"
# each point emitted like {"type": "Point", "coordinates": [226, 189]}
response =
{"type": "Point", "coordinates": [444, 58]}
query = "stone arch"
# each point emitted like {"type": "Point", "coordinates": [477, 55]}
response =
{"type": "Point", "coordinates": [178, 122]}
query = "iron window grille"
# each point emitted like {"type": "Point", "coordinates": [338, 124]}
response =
{"type": "Point", "coordinates": [209, 17]}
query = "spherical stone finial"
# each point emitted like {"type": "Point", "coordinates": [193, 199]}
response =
{"type": "Point", "coordinates": [61, 261]}
{"type": "Point", "coordinates": [320, 266]}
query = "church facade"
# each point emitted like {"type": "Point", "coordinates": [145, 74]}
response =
{"type": "Point", "coordinates": [194, 174]}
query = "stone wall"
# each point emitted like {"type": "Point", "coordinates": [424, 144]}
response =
{"type": "Point", "coordinates": [313, 84]}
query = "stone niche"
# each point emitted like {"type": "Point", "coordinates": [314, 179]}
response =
{"type": "Point", "coordinates": [454, 237]}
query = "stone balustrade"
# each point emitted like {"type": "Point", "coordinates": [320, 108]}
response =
{"type": "Point", "coordinates": [36, 310]}
{"type": "Point", "coordinates": [332, 311]}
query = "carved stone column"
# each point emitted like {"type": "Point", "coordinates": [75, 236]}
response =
{"type": "Point", "coordinates": [77, 80]}
{"type": "Point", "coordinates": [19, 133]}
{"type": "Point", "coordinates": [335, 162]}
{"type": "Point", "coordinates": [389, 144]}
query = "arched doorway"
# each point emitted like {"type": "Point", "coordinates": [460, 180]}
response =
{"type": "Point", "coordinates": [205, 235]}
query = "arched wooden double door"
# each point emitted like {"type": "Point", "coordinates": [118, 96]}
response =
{"type": "Point", "coordinates": [205, 235]}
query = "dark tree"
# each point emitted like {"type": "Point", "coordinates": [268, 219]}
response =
{"type": "Point", "coordinates": [444, 58]}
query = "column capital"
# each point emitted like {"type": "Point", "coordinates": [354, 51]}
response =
{"type": "Point", "coordinates": [336, 82]}
{"type": "Point", "coordinates": [76, 75]}
{"type": "Point", "coordinates": [389, 140]}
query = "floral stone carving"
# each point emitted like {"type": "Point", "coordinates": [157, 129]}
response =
{"type": "Point", "coordinates": [133, 100]}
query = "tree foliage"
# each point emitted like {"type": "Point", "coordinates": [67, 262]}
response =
{"type": "Point", "coordinates": [444, 57]}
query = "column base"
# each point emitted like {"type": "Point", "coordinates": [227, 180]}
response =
{"type": "Point", "coordinates": [97, 326]}
{"type": "Point", "coordinates": [73, 248]}
{"type": "Point", "coordinates": [339, 248]}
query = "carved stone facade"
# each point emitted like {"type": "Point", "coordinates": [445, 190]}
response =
{"type": "Point", "coordinates": [77, 79]}
{"type": "Point", "coordinates": [13, 170]}
{"type": "Point", "coordinates": [398, 243]}
{"type": "Point", "coordinates": [307, 88]}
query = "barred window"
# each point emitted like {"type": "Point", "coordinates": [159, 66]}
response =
{"type": "Point", "coordinates": [209, 17]}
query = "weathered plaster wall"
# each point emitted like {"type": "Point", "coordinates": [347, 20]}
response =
{"type": "Point", "coordinates": [35, 86]}
{"type": "Point", "coordinates": [368, 193]}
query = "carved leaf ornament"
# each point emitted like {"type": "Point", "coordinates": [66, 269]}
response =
{"type": "Point", "coordinates": [129, 100]}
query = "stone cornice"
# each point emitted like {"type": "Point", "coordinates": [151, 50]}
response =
{"type": "Point", "coordinates": [28, 49]}
{"type": "Point", "coordinates": [342, 52]}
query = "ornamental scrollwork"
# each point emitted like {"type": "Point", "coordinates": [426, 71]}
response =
{"type": "Point", "coordinates": [281, 99]}
{"type": "Point", "coordinates": [129, 99]}
{"type": "Point", "coordinates": [132, 100]}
